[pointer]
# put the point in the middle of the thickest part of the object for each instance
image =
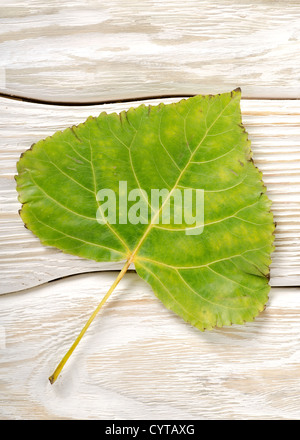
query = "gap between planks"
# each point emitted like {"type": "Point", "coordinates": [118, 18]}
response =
{"type": "Point", "coordinates": [125, 100]}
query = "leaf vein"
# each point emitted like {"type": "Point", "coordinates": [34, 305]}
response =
{"type": "Point", "coordinates": [58, 203]}
{"type": "Point", "coordinates": [76, 238]}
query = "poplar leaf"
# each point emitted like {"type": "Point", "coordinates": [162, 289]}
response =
{"type": "Point", "coordinates": [215, 276]}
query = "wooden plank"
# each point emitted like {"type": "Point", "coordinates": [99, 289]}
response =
{"type": "Point", "coordinates": [102, 50]}
{"type": "Point", "coordinates": [140, 361]}
{"type": "Point", "coordinates": [273, 127]}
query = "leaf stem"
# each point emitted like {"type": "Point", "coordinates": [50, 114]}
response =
{"type": "Point", "coordinates": [62, 363]}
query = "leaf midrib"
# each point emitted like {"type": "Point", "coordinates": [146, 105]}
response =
{"type": "Point", "coordinates": [132, 257]}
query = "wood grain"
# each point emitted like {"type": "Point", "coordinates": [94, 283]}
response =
{"type": "Point", "coordinates": [140, 361]}
{"type": "Point", "coordinates": [273, 127]}
{"type": "Point", "coordinates": [118, 49]}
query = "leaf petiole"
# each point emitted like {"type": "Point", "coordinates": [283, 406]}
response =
{"type": "Point", "coordinates": [62, 363]}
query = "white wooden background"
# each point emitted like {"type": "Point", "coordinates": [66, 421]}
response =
{"type": "Point", "coordinates": [138, 360]}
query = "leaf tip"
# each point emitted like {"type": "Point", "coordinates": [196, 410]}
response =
{"type": "Point", "coordinates": [237, 90]}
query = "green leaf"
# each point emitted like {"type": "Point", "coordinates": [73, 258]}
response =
{"type": "Point", "coordinates": [215, 278]}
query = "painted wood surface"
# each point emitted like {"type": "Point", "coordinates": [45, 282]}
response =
{"type": "Point", "coordinates": [139, 360]}
{"type": "Point", "coordinates": [118, 49]}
